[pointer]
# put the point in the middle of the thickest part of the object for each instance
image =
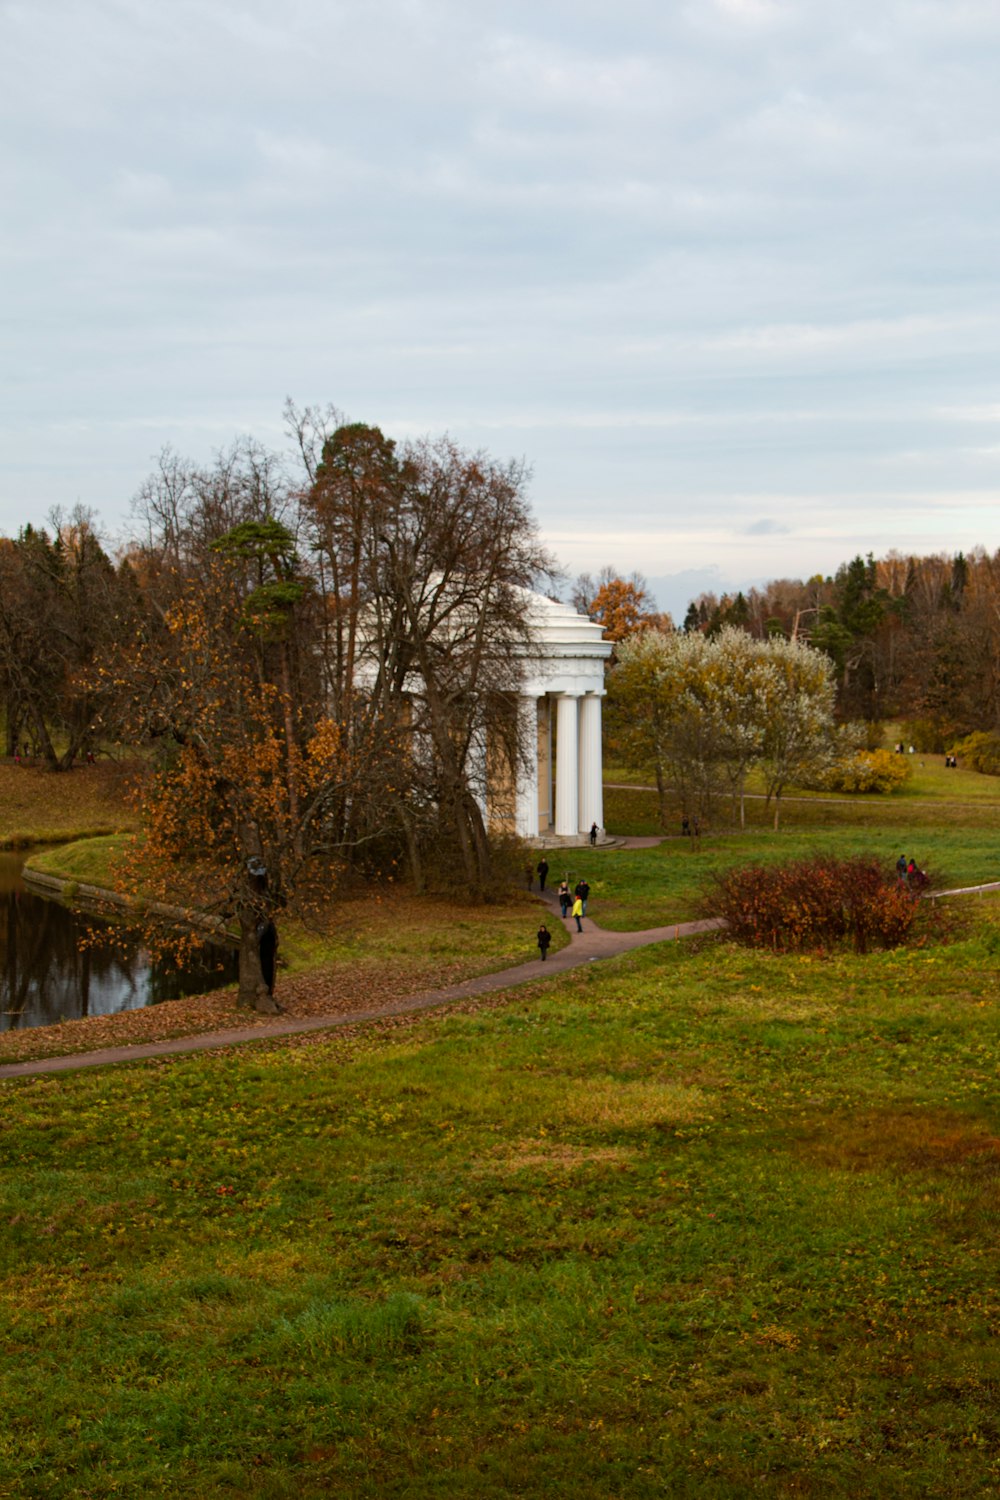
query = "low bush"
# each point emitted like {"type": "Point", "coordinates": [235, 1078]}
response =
{"type": "Point", "coordinates": [980, 752]}
{"type": "Point", "coordinates": [867, 771]}
{"type": "Point", "coordinates": [815, 904]}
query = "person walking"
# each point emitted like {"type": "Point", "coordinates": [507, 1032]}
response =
{"type": "Point", "coordinates": [593, 835]}
{"type": "Point", "coordinates": [544, 939]}
{"type": "Point", "coordinates": [565, 899]}
{"type": "Point", "coordinates": [543, 872]}
{"type": "Point", "coordinates": [578, 913]}
{"type": "Point", "coordinates": [583, 891]}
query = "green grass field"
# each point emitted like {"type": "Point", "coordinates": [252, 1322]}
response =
{"type": "Point", "coordinates": [693, 1223]}
{"type": "Point", "coordinates": [635, 889]}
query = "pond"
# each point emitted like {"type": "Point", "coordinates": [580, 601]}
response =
{"type": "Point", "coordinates": [47, 975]}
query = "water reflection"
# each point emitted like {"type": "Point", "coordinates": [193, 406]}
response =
{"type": "Point", "coordinates": [46, 976]}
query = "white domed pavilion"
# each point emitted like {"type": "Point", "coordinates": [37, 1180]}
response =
{"type": "Point", "coordinates": [561, 697]}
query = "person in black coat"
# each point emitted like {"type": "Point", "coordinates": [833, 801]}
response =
{"type": "Point", "coordinates": [543, 870]}
{"type": "Point", "coordinates": [544, 939]}
{"type": "Point", "coordinates": [267, 944]}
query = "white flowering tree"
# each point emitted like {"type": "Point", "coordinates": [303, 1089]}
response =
{"type": "Point", "coordinates": [658, 716]}
{"type": "Point", "coordinates": [701, 712]}
{"type": "Point", "coordinates": [735, 692]}
{"type": "Point", "coordinates": [798, 738]}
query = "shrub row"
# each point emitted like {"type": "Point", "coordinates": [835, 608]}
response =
{"type": "Point", "coordinates": [980, 752]}
{"type": "Point", "coordinates": [867, 771]}
{"type": "Point", "coordinates": [814, 904]}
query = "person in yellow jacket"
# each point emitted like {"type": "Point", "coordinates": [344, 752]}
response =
{"type": "Point", "coordinates": [578, 912]}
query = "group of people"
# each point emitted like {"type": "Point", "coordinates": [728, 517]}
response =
{"type": "Point", "coordinates": [577, 900]}
{"type": "Point", "coordinates": [574, 902]}
{"type": "Point", "coordinates": [909, 873]}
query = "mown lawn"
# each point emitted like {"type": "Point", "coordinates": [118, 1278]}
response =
{"type": "Point", "coordinates": [695, 1222]}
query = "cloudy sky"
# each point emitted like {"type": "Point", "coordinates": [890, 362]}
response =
{"type": "Point", "coordinates": [723, 271]}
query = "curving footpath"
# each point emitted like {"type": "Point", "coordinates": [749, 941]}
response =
{"type": "Point", "coordinates": [585, 947]}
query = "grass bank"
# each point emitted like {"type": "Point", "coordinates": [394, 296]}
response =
{"type": "Point", "coordinates": [40, 807]}
{"type": "Point", "coordinates": [695, 1222]}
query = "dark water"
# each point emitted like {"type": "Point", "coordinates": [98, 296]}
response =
{"type": "Point", "coordinates": [46, 976]}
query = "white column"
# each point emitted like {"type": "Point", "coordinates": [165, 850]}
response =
{"type": "Point", "coordinates": [591, 767]}
{"type": "Point", "coordinates": [477, 771]}
{"type": "Point", "coordinates": [545, 763]}
{"type": "Point", "coordinates": [567, 782]}
{"type": "Point", "coordinates": [526, 793]}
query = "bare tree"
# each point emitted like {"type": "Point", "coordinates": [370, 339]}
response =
{"type": "Point", "coordinates": [425, 551]}
{"type": "Point", "coordinates": [61, 602]}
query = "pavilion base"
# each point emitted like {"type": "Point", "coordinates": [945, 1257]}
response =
{"type": "Point", "coordinates": [549, 839]}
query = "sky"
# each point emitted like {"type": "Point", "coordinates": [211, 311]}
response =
{"type": "Point", "coordinates": [722, 272]}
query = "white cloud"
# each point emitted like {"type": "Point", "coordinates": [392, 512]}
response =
{"type": "Point", "coordinates": [751, 12]}
{"type": "Point", "coordinates": [706, 266]}
{"type": "Point", "coordinates": [970, 413]}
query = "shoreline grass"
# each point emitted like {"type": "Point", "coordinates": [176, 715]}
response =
{"type": "Point", "coordinates": [44, 807]}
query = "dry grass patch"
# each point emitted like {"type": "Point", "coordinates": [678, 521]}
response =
{"type": "Point", "coordinates": [905, 1140]}
{"type": "Point", "coordinates": [785, 1008]}
{"type": "Point", "coordinates": [534, 1155]}
{"type": "Point", "coordinates": [610, 1104]}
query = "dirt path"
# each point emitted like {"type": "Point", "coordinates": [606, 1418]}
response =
{"type": "Point", "coordinates": [591, 944]}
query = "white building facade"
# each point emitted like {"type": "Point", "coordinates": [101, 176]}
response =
{"type": "Point", "coordinates": [562, 796]}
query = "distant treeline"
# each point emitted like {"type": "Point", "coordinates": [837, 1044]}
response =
{"type": "Point", "coordinates": [916, 639]}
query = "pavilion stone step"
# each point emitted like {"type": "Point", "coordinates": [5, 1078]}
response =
{"type": "Point", "coordinates": [550, 840]}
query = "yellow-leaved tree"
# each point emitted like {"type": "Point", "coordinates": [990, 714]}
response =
{"type": "Point", "coordinates": [244, 796]}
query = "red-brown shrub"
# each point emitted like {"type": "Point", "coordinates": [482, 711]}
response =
{"type": "Point", "coordinates": [815, 903]}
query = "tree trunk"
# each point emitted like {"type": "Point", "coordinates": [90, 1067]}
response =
{"type": "Point", "coordinates": [13, 731]}
{"type": "Point", "coordinates": [412, 851]}
{"type": "Point", "coordinates": [253, 993]}
{"type": "Point", "coordinates": [661, 792]}
{"type": "Point", "coordinates": [480, 842]}
{"type": "Point", "coordinates": [291, 749]}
